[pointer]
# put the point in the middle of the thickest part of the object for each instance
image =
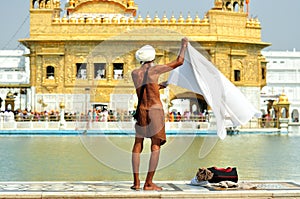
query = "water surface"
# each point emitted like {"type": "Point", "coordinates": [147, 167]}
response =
{"type": "Point", "coordinates": [66, 158]}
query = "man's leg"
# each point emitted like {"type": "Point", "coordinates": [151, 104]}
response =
{"type": "Point", "coordinates": [155, 150]}
{"type": "Point", "coordinates": [136, 152]}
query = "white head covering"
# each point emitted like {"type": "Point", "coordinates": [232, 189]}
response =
{"type": "Point", "coordinates": [145, 54]}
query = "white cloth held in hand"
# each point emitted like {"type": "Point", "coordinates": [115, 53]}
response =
{"type": "Point", "coordinates": [226, 101]}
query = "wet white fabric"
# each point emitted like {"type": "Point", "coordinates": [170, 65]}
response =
{"type": "Point", "coordinates": [146, 53]}
{"type": "Point", "coordinates": [227, 102]}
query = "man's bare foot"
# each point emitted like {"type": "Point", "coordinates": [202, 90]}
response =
{"type": "Point", "coordinates": [151, 187]}
{"type": "Point", "coordinates": [135, 186]}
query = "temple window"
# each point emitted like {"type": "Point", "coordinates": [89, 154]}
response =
{"type": "Point", "coordinates": [50, 72]}
{"type": "Point", "coordinates": [81, 70]}
{"type": "Point", "coordinates": [35, 4]}
{"type": "Point", "coordinates": [228, 6]}
{"type": "Point", "coordinates": [236, 6]}
{"type": "Point", "coordinates": [99, 70]}
{"type": "Point", "coordinates": [237, 75]}
{"type": "Point", "coordinates": [118, 70]}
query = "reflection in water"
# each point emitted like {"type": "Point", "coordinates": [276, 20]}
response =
{"type": "Point", "coordinates": [64, 158]}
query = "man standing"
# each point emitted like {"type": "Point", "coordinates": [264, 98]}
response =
{"type": "Point", "coordinates": [151, 120]}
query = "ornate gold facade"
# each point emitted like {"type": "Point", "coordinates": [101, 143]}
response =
{"type": "Point", "coordinates": [70, 53]}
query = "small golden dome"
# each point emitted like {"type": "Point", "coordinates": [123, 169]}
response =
{"type": "Point", "coordinates": [189, 19]}
{"type": "Point", "coordinates": [89, 20]}
{"type": "Point", "coordinates": [197, 19]}
{"type": "Point", "coordinates": [173, 19]}
{"type": "Point", "coordinates": [251, 22]}
{"type": "Point", "coordinates": [9, 95]}
{"type": "Point", "coordinates": [97, 20]}
{"type": "Point", "coordinates": [156, 19]}
{"type": "Point", "coordinates": [73, 20]}
{"type": "Point", "coordinates": [56, 19]}
{"type": "Point", "coordinates": [62, 105]}
{"type": "Point", "coordinates": [106, 20]}
{"type": "Point", "coordinates": [81, 20]}
{"type": "Point", "coordinates": [205, 20]}
{"type": "Point", "coordinates": [257, 23]}
{"type": "Point", "coordinates": [148, 19]}
{"type": "Point", "coordinates": [248, 22]}
{"type": "Point", "coordinates": [181, 19]}
{"type": "Point", "coordinates": [139, 19]}
{"type": "Point", "coordinates": [64, 20]}
{"type": "Point", "coordinates": [123, 19]}
{"type": "Point", "coordinates": [283, 99]}
{"type": "Point", "coordinates": [114, 19]}
{"type": "Point", "coordinates": [131, 19]}
{"type": "Point", "coordinates": [165, 19]}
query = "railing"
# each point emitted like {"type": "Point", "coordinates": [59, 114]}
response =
{"type": "Point", "coordinates": [83, 118]}
{"type": "Point", "coordinates": [73, 122]}
{"type": "Point", "coordinates": [261, 123]}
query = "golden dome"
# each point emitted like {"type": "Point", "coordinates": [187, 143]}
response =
{"type": "Point", "coordinates": [181, 19]}
{"type": "Point", "coordinates": [251, 22]}
{"type": "Point", "coordinates": [10, 95]}
{"type": "Point", "coordinates": [189, 19]}
{"type": "Point", "coordinates": [205, 20]}
{"type": "Point", "coordinates": [123, 19]}
{"type": "Point", "coordinates": [131, 19]}
{"type": "Point", "coordinates": [81, 20]}
{"type": "Point", "coordinates": [97, 20]}
{"type": "Point", "coordinates": [165, 19]}
{"type": "Point", "coordinates": [173, 19]}
{"type": "Point", "coordinates": [148, 19]}
{"type": "Point", "coordinates": [106, 20]}
{"type": "Point", "coordinates": [73, 20]}
{"type": "Point", "coordinates": [248, 22]}
{"type": "Point", "coordinates": [139, 19]}
{"type": "Point", "coordinates": [62, 105]}
{"type": "Point", "coordinates": [114, 19]}
{"type": "Point", "coordinates": [56, 19]}
{"type": "Point", "coordinates": [197, 19]}
{"type": "Point", "coordinates": [156, 19]}
{"type": "Point", "coordinates": [283, 99]}
{"type": "Point", "coordinates": [257, 23]}
{"type": "Point", "coordinates": [89, 20]}
{"type": "Point", "coordinates": [64, 20]}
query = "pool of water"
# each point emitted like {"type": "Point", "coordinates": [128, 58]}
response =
{"type": "Point", "coordinates": [107, 157]}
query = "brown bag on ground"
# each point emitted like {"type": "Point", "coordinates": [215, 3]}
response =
{"type": "Point", "coordinates": [204, 174]}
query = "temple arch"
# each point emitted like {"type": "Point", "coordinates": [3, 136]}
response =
{"type": "Point", "coordinates": [197, 103]}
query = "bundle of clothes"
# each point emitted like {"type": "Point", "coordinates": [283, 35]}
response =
{"type": "Point", "coordinates": [215, 177]}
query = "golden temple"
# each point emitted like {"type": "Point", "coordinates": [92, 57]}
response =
{"type": "Point", "coordinates": [84, 57]}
